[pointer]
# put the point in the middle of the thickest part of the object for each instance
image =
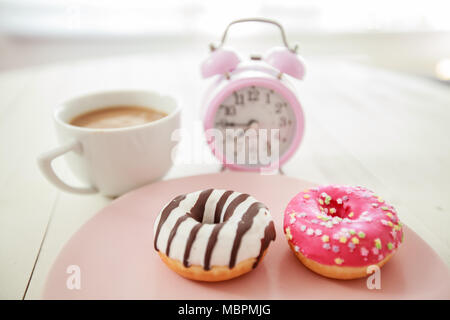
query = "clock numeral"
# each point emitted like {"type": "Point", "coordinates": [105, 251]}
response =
{"type": "Point", "coordinates": [238, 98]}
{"type": "Point", "coordinates": [268, 98]}
{"type": "Point", "coordinates": [279, 106]}
{"type": "Point", "coordinates": [283, 122]}
{"type": "Point", "coordinates": [253, 94]}
{"type": "Point", "coordinates": [229, 110]}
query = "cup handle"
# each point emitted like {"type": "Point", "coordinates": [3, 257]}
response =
{"type": "Point", "coordinates": [45, 164]}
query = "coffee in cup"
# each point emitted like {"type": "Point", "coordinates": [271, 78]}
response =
{"type": "Point", "coordinates": [117, 117]}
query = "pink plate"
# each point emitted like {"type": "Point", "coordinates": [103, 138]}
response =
{"type": "Point", "coordinates": [114, 251]}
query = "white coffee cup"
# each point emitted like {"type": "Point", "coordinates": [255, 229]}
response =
{"type": "Point", "coordinates": [115, 160]}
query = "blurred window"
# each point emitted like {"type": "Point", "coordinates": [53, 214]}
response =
{"type": "Point", "coordinates": [199, 17]}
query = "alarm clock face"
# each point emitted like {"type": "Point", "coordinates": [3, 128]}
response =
{"type": "Point", "coordinates": [256, 107]}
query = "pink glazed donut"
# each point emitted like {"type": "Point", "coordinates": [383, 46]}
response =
{"type": "Point", "coordinates": [338, 231]}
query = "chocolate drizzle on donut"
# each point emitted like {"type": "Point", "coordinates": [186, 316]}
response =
{"type": "Point", "coordinates": [190, 241]}
{"type": "Point", "coordinates": [269, 235]}
{"type": "Point", "coordinates": [197, 212]}
{"type": "Point", "coordinates": [220, 204]}
{"type": "Point", "coordinates": [210, 246]}
{"type": "Point", "coordinates": [215, 232]}
{"type": "Point", "coordinates": [165, 214]}
{"type": "Point", "coordinates": [243, 226]}
{"type": "Point", "coordinates": [232, 206]}
{"type": "Point", "coordinates": [174, 232]}
{"type": "Point", "coordinates": [198, 209]}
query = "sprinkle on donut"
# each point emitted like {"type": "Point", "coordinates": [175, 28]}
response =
{"type": "Point", "coordinates": [342, 226]}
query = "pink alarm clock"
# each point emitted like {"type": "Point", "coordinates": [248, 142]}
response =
{"type": "Point", "coordinates": [253, 95]}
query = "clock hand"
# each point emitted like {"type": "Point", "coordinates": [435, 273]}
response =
{"type": "Point", "coordinates": [234, 124]}
{"type": "Point", "coordinates": [253, 124]}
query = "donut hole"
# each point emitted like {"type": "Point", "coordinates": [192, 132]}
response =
{"type": "Point", "coordinates": [217, 211]}
{"type": "Point", "coordinates": [202, 210]}
{"type": "Point", "coordinates": [335, 208]}
{"type": "Point", "coordinates": [206, 218]}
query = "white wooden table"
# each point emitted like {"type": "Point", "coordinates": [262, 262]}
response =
{"type": "Point", "coordinates": [364, 126]}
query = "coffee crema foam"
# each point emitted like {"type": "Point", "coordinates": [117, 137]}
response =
{"type": "Point", "coordinates": [117, 117]}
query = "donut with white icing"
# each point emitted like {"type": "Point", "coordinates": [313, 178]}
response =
{"type": "Point", "coordinates": [213, 235]}
{"type": "Point", "coordinates": [339, 231]}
